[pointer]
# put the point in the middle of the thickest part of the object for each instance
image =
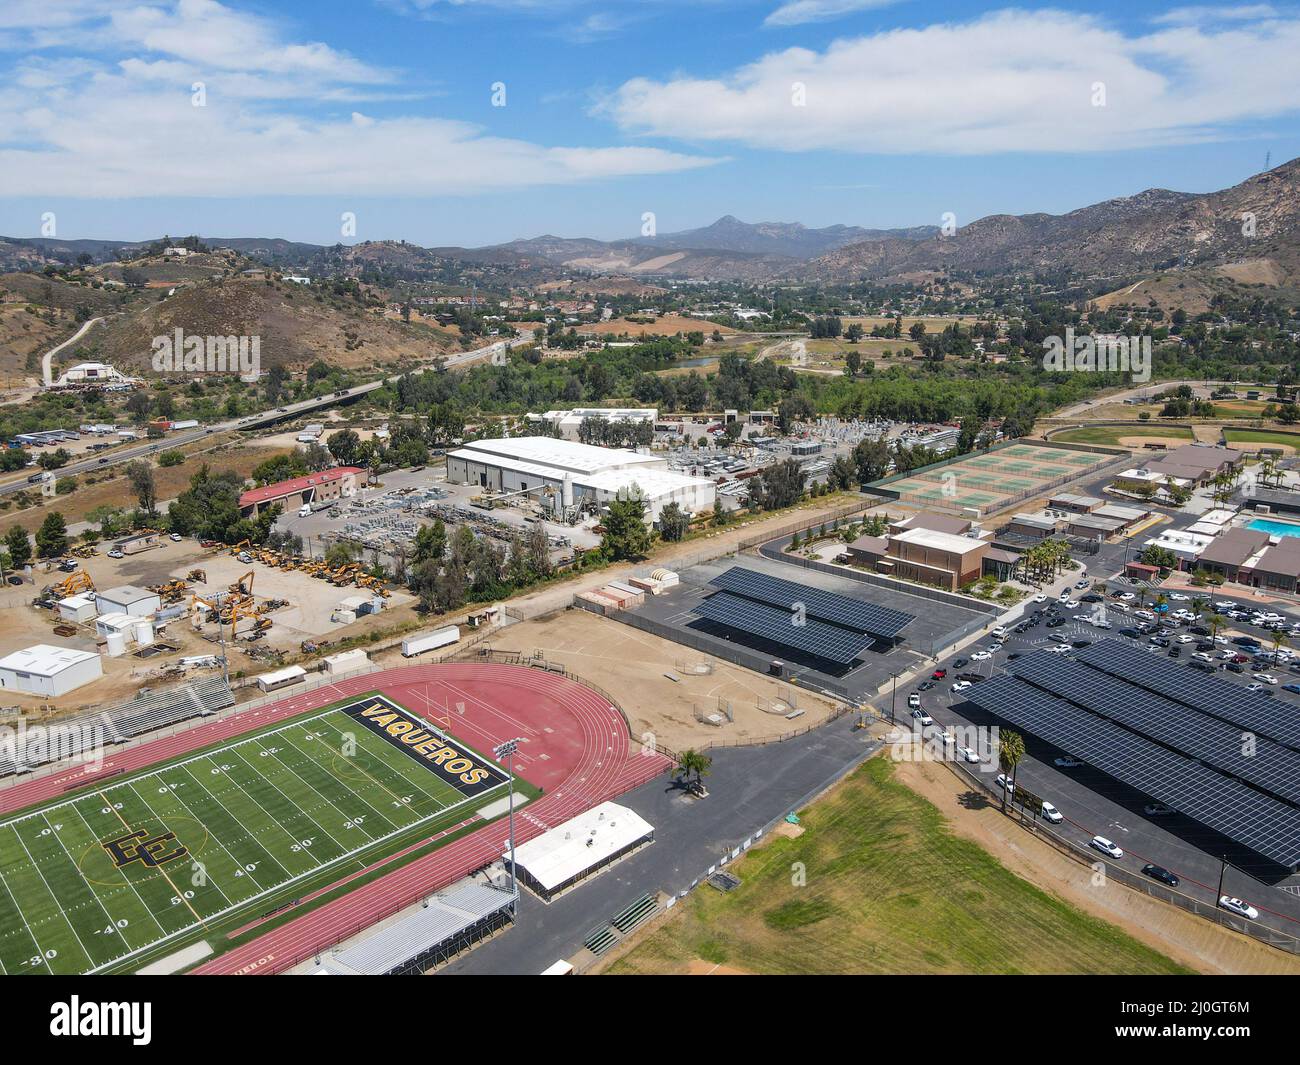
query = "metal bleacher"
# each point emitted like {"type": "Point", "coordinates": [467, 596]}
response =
{"type": "Point", "coordinates": [644, 907]}
{"type": "Point", "coordinates": [70, 737]}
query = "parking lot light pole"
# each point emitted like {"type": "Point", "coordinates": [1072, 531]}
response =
{"type": "Point", "coordinates": [507, 751]}
{"type": "Point", "coordinates": [892, 696]}
{"type": "Point", "coordinates": [1223, 868]}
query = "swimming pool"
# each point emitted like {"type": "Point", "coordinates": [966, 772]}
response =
{"type": "Point", "coordinates": [1275, 528]}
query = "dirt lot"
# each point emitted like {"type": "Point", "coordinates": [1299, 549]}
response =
{"type": "Point", "coordinates": [632, 665]}
{"type": "Point", "coordinates": [311, 601]}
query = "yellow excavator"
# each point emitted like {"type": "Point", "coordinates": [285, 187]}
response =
{"type": "Point", "coordinates": [72, 584]}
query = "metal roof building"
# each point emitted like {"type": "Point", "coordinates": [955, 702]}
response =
{"type": "Point", "coordinates": [48, 670]}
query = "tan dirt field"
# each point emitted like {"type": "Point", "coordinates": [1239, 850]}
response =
{"type": "Point", "coordinates": [664, 326]}
{"type": "Point", "coordinates": [631, 665]}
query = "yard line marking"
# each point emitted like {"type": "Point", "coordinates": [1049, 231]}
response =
{"type": "Point", "coordinates": [94, 894]}
{"type": "Point", "coordinates": [131, 884]}
{"type": "Point", "coordinates": [275, 821]}
{"type": "Point", "coordinates": [178, 892]}
{"type": "Point", "coordinates": [314, 823]}
{"type": "Point", "coordinates": [198, 820]}
{"type": "Point", "coordinates": [305, 754]}
{"type": "Point", "coordinates": [35, 942]}
{"type": "Point", "coordinates": [57, 901]}
{"type": "Point", "coordinates": [381, 784]}
{"type": "Point", "coordinates": [331, 802]}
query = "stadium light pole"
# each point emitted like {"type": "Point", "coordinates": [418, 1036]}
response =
{"type": "Point", "coordinates": [507, 751]}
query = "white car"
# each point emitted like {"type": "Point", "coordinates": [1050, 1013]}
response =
{"type": "Point", "coordinates": [1145, 615]}
{"type": "Point", "coordinates": [914, 700]}
{"type": "Point", "coordinates": [1058, 649]}
{"type": "Point", "coordinates": [1128, 597]}
{"type": "Point", "coordinates": [1071, 604]}
{"type": "Point", "coordinates": [1184, 638]}
{"type": "Point", "coordinates": [1178, 597]}
{"type": "Point", "coordinates": [176, 538]}
{"type": "Point", "coordinates": [115, 553]}
{"type": "Point", "coordinates": [921, 716]}
{"type": "Point", "coordinates": [1040, 599]}
{"type": "Point", "coordinates": [1004, 782]}
{"type": "Point", "coordinates": [980, 656]}
{"type": "Point", "coordinates": [967, 755]}
{"type": "Point", "coordinates": [1267, 678]}
{"type": "Point", "coordinates": [1066, 762]}
{"type": "Point", "coordinates": [1241, 909]}
{"type": "Point", "coordinates": [1051, 814]}
{"type": "Point", "coordinates": [1000, 633]}
{"type": "Point", "coordinates": [1106, 847]}
{"type": "Point", "coordinates": [1081, 584]}
{"type": "Point", "coordinates": [960, 686]}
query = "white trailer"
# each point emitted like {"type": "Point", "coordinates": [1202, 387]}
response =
{"type": "Point", "coordinates": [428, 641]}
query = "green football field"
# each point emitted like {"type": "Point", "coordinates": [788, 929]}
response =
{"type": "Point", "coordinates": [149, 862]}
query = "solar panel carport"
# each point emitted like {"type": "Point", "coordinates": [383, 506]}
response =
{"type": "Point", "coordinates": [1053, 701]}
{"type": "Point", "coordinates": [882, 622]}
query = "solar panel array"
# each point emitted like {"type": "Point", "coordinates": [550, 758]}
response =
{"type": "Point", "coordinates": [1267, 765]}
{"type": "Point", "coordinates": [1210, 695]}
{"type": "Point", "coordinates": [777, 625]}
{"type": "Point", "coordinates": [1264, 824]}
{"type": "Point", "coordinates": [882, 622]}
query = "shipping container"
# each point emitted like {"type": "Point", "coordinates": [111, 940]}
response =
{"type": "Point", "coordinates": [428, 641]}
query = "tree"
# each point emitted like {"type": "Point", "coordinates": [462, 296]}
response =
{"type": "Point", "coordinates": [19, 546]}
{"type": "Point", "coordinates": [52, 536]}
{"type": "Point", "coordinates": [780, 485]}
{"type": "Point", "coordinates": [539, 551]}
{"type": "Point", "coordinates": [673, 523]}
{"type": "Point", "coordinates": [1011, 749]}
{"type": "Point", "coordinates": [693, 763]}
{"type": "Point", "coordinates": [430, 542]}
{"type": "Point", "coordinates": [344, 446]}
{"type": "Point", "coordinates": [626, 535]}
{"type": "Point", "coordinates": [140, 474]}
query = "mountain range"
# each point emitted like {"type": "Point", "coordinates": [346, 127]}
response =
{"type": "Point", "coordinates": [1247, 233]}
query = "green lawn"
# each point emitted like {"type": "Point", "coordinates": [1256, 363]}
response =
{"type": "Point", "coordinates": [140, 866]}
{"type": "Point", "coordinates": [1110, 435]}
{"type": "Point", "coordinates": [889, 889]}
{"type": "Point", "coordinates": [1262, 438]}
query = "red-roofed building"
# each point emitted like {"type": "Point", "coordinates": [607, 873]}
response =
{"type": "Point", "coordinates": [338, 483]}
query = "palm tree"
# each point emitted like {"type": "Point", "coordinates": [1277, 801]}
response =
{"type": "Point", "coordinates": [1011, 748]}
{"type": "Point", "coordinates": [1216, 623]}
{"type": "Point", "coordinates": [693, 762]}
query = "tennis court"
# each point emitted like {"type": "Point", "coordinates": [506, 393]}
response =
{"type": "Point", "coordinates": [995, 480]}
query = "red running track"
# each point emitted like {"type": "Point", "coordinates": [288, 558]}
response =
{"type": "Point", "coordinates": [576, 749]}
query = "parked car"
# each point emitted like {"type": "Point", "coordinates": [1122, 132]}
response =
{"type": "Point", "coordinates": [1068, 762]}
{"type": "Point", "coordinates": [980, 656]}
{"type": "Point", "coordinates": [938, 674]}
{"type": "Point", "coordinates": [1159, 872]}
{"type": "Point", "coordinates": [1156, 809]}
{"type": "Point", "coordinates": [960, 686]}
{"type": "Point", "coordinates": [1004, 782]}
{"type": "Point", "coordinates": [115, 553]}
{"type": "Point", "coordinates": [1106, 847]}
{"type": "Point", "coordinates": [1241, 909]}
{"type": "Point", "coordinates": [914, 700]}
{"type": "Point", "coordinates": [176, 538]}
{"type": "Point", "coordinates": [925, 686]}
{"type": "Point", "coordinates": [1051, 814]}
{"type": "Point", "coordinates": [921, 716]}
{"type": "Point", "coordinates": [967, 755]}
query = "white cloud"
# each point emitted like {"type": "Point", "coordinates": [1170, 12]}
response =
{"type": "Point", "coordinates": [1010, 81]}
{"type": "Point", "coordinates": [797, 12]}
{"type": "Point", "coordinates": [122, 124]}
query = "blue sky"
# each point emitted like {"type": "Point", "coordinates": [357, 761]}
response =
{"type": "Point", "coordinates": [129, 118]}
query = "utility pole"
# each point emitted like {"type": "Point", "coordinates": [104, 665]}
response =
{"type": "Point", "coordinates": [892, 696]}
{"type": "Point", "coordinates": [507, 751]}
{"type": "Point", "coordinates": [1223, 868]}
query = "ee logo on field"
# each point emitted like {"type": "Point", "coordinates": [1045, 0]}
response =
{"type": "Point", "coordinates": [138, 846]}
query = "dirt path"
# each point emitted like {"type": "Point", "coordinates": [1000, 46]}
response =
{"type": "Point", "coordinates": [1192, 941]}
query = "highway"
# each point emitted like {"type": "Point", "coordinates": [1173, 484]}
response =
{"type": "Point", "coordinates": [146, 449]}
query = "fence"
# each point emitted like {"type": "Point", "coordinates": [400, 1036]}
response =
{"type": "Point", "coordinates": [1269, 936]}
{"type": "Point", "coordinates": [731, 854]}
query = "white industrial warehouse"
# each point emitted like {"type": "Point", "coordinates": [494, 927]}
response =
{"type": "Point", "coordinates": [47, 670]}
{"type": "Point", "coordinates": [577, 473]}
{"type": "Point", "coordinates": [568, 422]}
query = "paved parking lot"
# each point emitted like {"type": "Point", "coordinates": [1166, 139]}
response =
{"type": "Point", "coordinates": [1093, 803]}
